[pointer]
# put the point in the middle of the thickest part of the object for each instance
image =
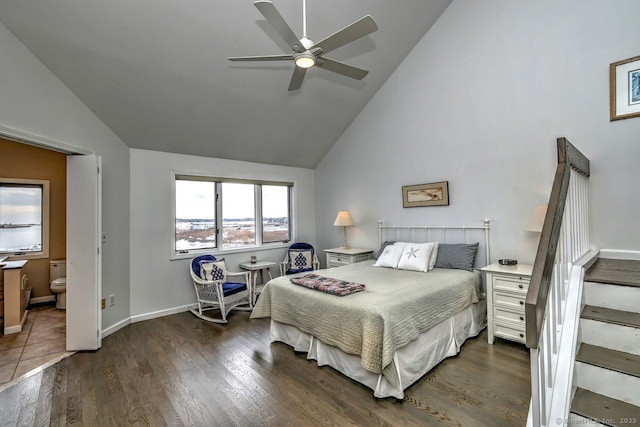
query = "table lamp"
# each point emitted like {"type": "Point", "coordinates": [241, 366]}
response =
{"type": "Point", "coordinates": [344, 220]}
{"type": "Point", "coordinates": [537, 219]}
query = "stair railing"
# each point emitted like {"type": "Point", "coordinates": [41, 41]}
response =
{"type": "Point", "coordinates": [551, 330]}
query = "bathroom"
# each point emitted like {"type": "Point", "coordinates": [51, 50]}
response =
{"type": "Point", "coordinates": [43, 334]}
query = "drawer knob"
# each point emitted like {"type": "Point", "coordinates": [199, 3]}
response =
{"type": "Point", "coordinates": [521, 302]}
{"type": "Point", "coordinates": [521, 335]}
{"type": "Point", "coordinates": [520, 286]}
{"type": "Point", "coordinates": [521, 318]}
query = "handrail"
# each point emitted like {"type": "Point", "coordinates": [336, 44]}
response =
{"type": "Point", "coordinates": [568, 157]}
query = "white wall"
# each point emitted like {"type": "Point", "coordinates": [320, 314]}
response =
{"type": "Point", "coordinates": [157, 282]}
{"type": "Point", "coordinates": [480, 102]}
{"type": "Point", "coordinates": [34, 101]}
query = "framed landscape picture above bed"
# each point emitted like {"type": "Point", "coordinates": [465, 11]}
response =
{"type": "Point", "coordinates": [625, 88]}
{"type": "Point", "coordinates": [433, 194]}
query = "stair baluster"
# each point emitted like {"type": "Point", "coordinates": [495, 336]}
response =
{"type": "Point", "coordinates": [553, 301]}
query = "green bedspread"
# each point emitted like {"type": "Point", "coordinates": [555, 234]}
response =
{"type": "Point", "coordinates": [396, 307]}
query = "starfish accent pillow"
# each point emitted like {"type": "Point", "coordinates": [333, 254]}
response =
{"type": "Point", "coordinates": [390, 255]}
{"type": "Point", "coordinates": [416, 256]}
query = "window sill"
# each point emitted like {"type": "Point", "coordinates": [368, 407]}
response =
{"type": "Point", "coordinates": [222, 252]}
{"type": "Point", "coordinates": [20, 256]}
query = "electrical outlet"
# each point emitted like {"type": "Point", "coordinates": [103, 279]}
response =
{"type": "Point", "coordinates": [112, 300]}
{"type": "Point", "coordinates": [104, 303]}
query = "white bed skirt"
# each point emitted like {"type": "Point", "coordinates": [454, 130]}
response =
{"type": "Point", "coordinates": [412, 361]}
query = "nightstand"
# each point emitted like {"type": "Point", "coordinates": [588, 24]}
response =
{"type": "Point", "coordinates": [507, 287]}
{"type": "Point", "coordinates": [343, 256]}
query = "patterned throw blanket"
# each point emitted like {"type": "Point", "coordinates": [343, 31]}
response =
{"type": "Point", "coordinates": [327, 284]}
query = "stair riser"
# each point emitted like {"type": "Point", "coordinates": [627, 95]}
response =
{"type": "Point", "coordinates": [623, 298]}
{"type": "Point", "coordinates": [614, 337]}
{"type": "Point", "coordinates": [577, 420]}
{"type": "Point", "coordinates": [609, 383]}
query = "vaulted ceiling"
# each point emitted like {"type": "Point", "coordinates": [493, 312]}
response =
{"type": "Point", "coordinates": [156, 71]}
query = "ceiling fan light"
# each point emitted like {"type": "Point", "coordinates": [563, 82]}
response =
{"type": "Point", "coordinates": [305, 60]}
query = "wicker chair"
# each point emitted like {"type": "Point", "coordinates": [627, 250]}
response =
{"type": "Point", "coordinates": [300, 257]}
{"type": "Point", "coordinates": [217, 292]}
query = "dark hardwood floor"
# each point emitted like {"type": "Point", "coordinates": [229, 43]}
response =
{"type": "Point", "coordinates": [179, 370]}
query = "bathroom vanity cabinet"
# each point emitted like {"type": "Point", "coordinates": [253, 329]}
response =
{"type": "Point", "coordinates": [15, 303]}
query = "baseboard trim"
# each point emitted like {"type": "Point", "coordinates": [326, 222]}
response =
{"type": "Point", "coordinates": [116, 327]}
{"type": "Point", "coordinates": [160, 313]}
{"type": "Point", "coordinates": [39, 300]}
{"type": "Point", "coordinates": [13, 329]}
{"type": "Point", "coordinates": [142, 317]}
{"type": "Point", "coordinates": [620, 254]}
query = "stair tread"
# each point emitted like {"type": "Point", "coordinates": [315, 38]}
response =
{"type": "Point", "coordinates": [610, 315]}
{"type": "Point", "coordinates": [614, 271]}
{"type": "Point", "coordinates": [614, 360]}
{"type": "Point", "coordinates": [603, 409]}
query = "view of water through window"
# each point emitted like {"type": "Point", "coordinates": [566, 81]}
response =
{"type": "Point", "coordinates": [238, 215]}
{"type": "Point", "coordinates": [196, 214]}
{"type": "Point", "coordinates": [20, 218]}
{"type": "Point", "coordinates": [275, 215]}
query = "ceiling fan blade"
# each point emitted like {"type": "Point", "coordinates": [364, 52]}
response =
{"type": "Point", "coordinates": [261, 58]}
{"type": "Point", "coordinates": [358, 29]}
{"type": "Point", "coordinates": [296, 78]}
{"type": "Point", "coordinates": [341, 68]}
{"type": "Point", "coordinates": [278, 23]}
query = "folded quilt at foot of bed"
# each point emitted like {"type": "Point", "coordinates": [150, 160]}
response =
{"type": "Point", "coordinates": [327, 284]}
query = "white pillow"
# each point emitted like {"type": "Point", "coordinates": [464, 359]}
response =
{"type": "Point", "coordinates": [434, 255]}
{"type": "Point", "coordinates": [416, 257]}
{"type": "Point", "coordinates": [390, 255]}
{"type": "Point", "coordinates": [214, 270]}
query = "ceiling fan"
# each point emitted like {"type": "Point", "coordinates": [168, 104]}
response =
{"type": "Point", "coordinates": [306, 53]}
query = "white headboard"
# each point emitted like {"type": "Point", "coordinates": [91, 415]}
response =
{"type": "Point", "coordinates": [441, 234]}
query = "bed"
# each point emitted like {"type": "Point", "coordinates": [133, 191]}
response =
{"type": "Point", "coordinates": [392, 333]}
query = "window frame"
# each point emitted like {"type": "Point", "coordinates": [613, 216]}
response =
{"type": "Point", "coordinates": [46, 205]}
{"type": "Point", "coordinates": [219, 250]}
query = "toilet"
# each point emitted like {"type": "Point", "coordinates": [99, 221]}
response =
{"type": "Point", "coordinates": [57, 275]}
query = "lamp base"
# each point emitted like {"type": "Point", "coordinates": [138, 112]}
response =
{"type": "Point", "coordinates": [345, 247]}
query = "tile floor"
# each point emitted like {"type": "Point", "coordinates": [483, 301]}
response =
{"type": "Point", "coordinates": [42, 341]}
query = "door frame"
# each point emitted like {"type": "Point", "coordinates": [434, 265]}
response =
{"type": "Point", "coordinates": [51, 144]}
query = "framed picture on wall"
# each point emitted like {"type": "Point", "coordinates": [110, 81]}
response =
{"type": "Point", "coordinates": [433, 194]}
{"type": "Point", "coordinates": [625, 88]}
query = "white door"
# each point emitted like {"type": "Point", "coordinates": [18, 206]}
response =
{"type": "Point", "coordinates": [84, 285]}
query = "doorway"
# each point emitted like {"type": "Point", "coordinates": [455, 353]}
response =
{"type": "Point", "coordinates": [71, 235]}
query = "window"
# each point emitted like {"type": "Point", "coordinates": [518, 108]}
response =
{"type": "Point", "coordinates": [195, 215]}
{"type": "Point", "coordinates": [24, 218]}
{"type": "Point", "coordinates": [224, 213]}
{"type": "Point", "coordinates": [238, 215]}
{"type": "Point", "coordinates": [275, 214]}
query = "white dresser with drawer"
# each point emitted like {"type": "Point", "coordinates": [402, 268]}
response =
{"type": "Point", "coordinates": [507, 287]}
{"type": "Point", "coordinates": [343, 256]}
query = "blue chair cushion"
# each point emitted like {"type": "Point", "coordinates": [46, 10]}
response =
{"type": "Point", "coordinates": [296, 270]}
{"type": "Point", "coordinates": [195, 263]}
{"type": "Point", "coordinates": [230, 288]}
{"type": "Point", "coordinates": [301, 245]}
